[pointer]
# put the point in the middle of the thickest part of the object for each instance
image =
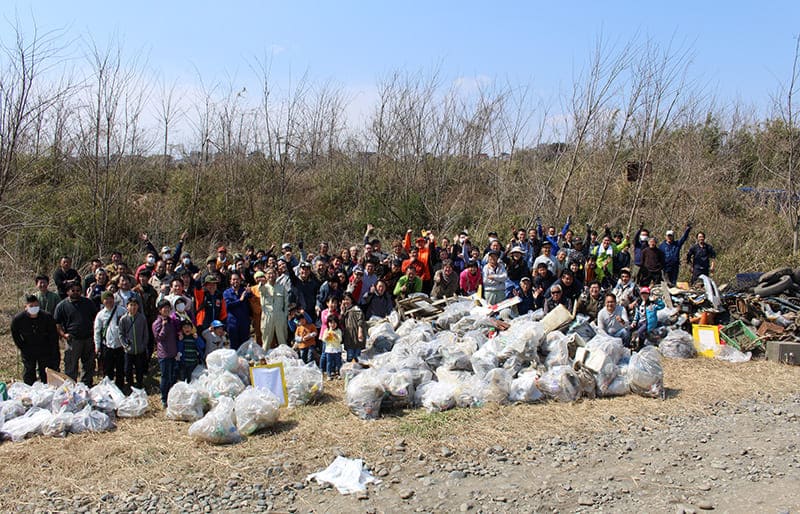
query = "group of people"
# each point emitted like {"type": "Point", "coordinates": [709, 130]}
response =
{"type": "Point", "coordinates": [319, 301]}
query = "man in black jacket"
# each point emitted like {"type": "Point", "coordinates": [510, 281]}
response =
{"type": "Point", "coordinates": [34, 333]}
{"type": "Point", "coordinates": [75, 324]}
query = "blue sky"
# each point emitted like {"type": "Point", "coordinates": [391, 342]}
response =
{"type": "Point", "coordinates": [741, 49]}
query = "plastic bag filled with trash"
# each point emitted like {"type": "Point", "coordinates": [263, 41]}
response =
{"type": "Point", "coordinates": [219, 425]}
{"type": "Point", "coordinates": [59, 425]}
{"type": "Point", "coordinates": [221, 360]}
{"type": "Point", "coordinates": [560, 383]}
{"type": "Point", "coordinates": [678, 344]}
{"type": "Point", "coordinates": [90, 420]}
{"type": "Point", "coordinates": [105, 396]}
{"type": "Point", "coordinates": [497, 385]}
{"type": "Point", "coordinates": [28, 424]}
{"type": "Point", "coordinates": [256, 409]}
{"type": "Point", "coordinates": [728, 353]}
{"type": "Point", "coordinates": [184, 403]}
{"type": "Point", "coordinates": [133, 405]}
{"type": "Point", "coordinates": [645, 373]}
{"type": "Point", "coordinates": [437, 396]}
{"type": "Point", "coordinates": [382, 337]}
{"type": "Point", "coordinates": [523, 388]}
{"type": "Point", "coordinates": [10, 409]}
{"type": "Point", "coordinates": [251, 351]}
{"type": "Point", "coordinates": [303, 384]}
{"type": "Point", "coordinates": [364, 395]}
{"type": "Point", "coordinates": [224, 384]}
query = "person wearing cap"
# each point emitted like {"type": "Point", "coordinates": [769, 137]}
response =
{"type": "Point", "coordinates": [237, 303]}
{"type": "Point", "coordinates": [166, 331]}
{"type": "Point", "coordinates": [47, 299]}
{"type": "Point", "coordinates": [211, 271]}
{"type": "Point", "coordinates": [107, 340]}
{"type": "Point", "coordinates": [652, 265]}
{"type": "Point", "coordinates": [214, 337]}
{"type": "Point", "coordinates": [221, 262]}
{"type": "Point", "coordinates": [74, 318]}
{"type": "Point", "coordinates": [34, 333]}
{"type": "Point", "coordinates": [274, 312]}
{"type": "Point", "coordinates": [288, 255]}
{"type": "Point", "coordinates": [355, 285]}
{"type": "Point", "coordinates": [426, 255]}
{"type": "Point", "coordinates": [525, 293]}
{"type": "Point", "coordinates": [209, 303]}
{"type": "Point", "coordinates": [135, 333]}
{"type": "Point", "coordinates": [672, 253]}
{"type": "Point", "coordinates": [645, 319]}
{"type": "Point", "coordinates": [471, 279]}
{"type": "Point", "coordinates": [494, 278]}
{"type": "Point", "coordinates": [166, 252]}
{"type": "Point", "coordinates": [186, 263]}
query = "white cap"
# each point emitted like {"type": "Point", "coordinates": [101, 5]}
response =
{"type": "Point", "coordinates": [670, 232]}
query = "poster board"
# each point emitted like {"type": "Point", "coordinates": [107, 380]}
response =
{"type": "Point", "coordinates": [271, 378]}
{"type": "Point", "coordinates": [706, 339]}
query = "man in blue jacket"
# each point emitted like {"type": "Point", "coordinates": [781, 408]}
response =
{"type": "Point", "coordinates": [237, 300]}
{"type": "Point", "coordinates": [672, 253]}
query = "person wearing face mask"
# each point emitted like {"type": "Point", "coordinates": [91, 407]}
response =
{"type": "Point", "coordinates": [166, 251]}
{"type": "Point", "coordinates": [186, 263]}
{"type": "Point", "coordinates": [149, 264]}
{"type": "Point", "coordinates": [34, 333]}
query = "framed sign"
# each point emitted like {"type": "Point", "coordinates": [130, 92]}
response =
{"type": "Point", "coordinates": [271, 378]}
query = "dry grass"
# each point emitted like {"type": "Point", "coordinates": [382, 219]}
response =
{"type": "Point", "coordinates": [151, 448]}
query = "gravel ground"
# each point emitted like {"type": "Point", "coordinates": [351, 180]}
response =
{"type": "Point", "coordinates": [734, 457]}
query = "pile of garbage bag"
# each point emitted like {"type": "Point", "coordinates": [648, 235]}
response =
{"type": "Point", "coordinates": [462, 360]}
{"type": "Point", "coordinates": [42, 409]}
{"type": "Point", "coordinates": [222, 404]}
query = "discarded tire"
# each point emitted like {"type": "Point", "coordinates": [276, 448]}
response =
{"type": "Point", "coordinates": [796, 276]}
{"type": "Point", "coordinates": [772, 277]}
{"type": "Point", "coordinates": [774, 289]}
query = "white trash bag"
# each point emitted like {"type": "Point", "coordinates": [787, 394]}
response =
{"type": "Point", "coordinates": [28, 424]}
{"type": "Point", "coordinates": [184, 403]}
{"type": "Point", "coordinates": [219, 425]}
{"type": "Point", "coordinates": [134, 405]}
{"type": "Point", "coordinates": [255, 409]}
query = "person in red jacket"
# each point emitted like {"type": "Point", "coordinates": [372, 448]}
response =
{"type": "Point", "coordinates": [209, 303]}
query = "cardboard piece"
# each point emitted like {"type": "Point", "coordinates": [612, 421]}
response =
{"type": "Point", "coordinates": [556, 319]}
{"type": "Point", "coordinates": [271, 377]}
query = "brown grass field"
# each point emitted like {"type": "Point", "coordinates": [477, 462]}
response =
{"type": "Point", "coordinates": [152, 448]}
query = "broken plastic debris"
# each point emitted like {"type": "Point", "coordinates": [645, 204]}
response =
{"type": "Point", "coordinates": [346, 475]}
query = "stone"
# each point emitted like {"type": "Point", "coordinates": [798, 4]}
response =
{"type": "Point", "coordinates": [586, 501]}
{"type": "Point", "coordinates": [405, 494]}
{"type": "Point", "coordinates": [457, 475]}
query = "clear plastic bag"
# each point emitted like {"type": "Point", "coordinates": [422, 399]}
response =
{"type": "Point", "coordinates": [59, 424]}
{"type": "Point", "coordinates": [251, 351]}
{"type": "Point", "coordinates": [243, 371]}
{"type": "Point", "coordinates": [221, 360]}
{"type": "Point", "coordinates": [497, 385]}
{"type": "Point", "coordinates": [219, 425]}
{"type": "Point", "coordinates": [90, 420]}
{"type": "Point", "coordinates": [437, 396]}
{"type": "Point", "coordinates": [106, 396]}
{"type": "Point", "coordinates": [255, 409]}
{"type": "Point", "coordinates": [645, 373]}
{"type": "Point", "coordinates": [134, 405]}
{"type": "Point", "coordinates": [612, 346]}
{"type": "Point", "coordinates": [456, 356]}
{"type": "Point", "coordinates": [523, 388]}
{"type": "Point", "coordinates": [42, 395]}
{"type": "Point", "coordinates": [364, 394]}
{"type": "Point", "coordinates": [184, 403]}
{"type": "Point", "coordinates": [10, 409]}
{"type": "Point", "coordinates": [560, 383]}
{"type": "Point", "coordinates": [72, 397]}
{"type": "Point", "coordinates": [399, 389]}
{"type": "Point", "coordinates": [382, 337]}
{"type": "Point", "coordinates": [22, 392]}
{"type": "Point", "coordinates": [678, 344]}
{"type": "Point", "coordinates": [224, 384]}
{"type": "Point", "coordinates": [557, 350]}
{"type": "Point", "coordinates": [303, 384]}
{"type": "Point", "coordinates": [730, 354]}
{"type": "Point", "coordinates": [470, 391]}
{"type": "Point", "coordinates": [485, 359]}
{"type": "Point", "coordinates": [28, 424]}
